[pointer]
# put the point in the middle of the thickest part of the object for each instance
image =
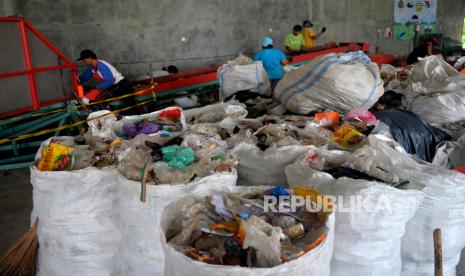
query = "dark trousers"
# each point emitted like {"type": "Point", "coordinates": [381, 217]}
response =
{"type": "Point", "coordinates": [122, 88]}
{"type": "Point", "coordinates": [274, 82]}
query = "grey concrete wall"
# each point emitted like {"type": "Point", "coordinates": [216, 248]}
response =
{"type": "Point", "coordinates": [132, 33]}
{"type": "Point", "coordinates": [145, 30]}
{"type": "Point", "coordinates": [366, 20]}
{"type": "Point", "coordinates": [450, 17]}
{"type": "Point", "coordinates": [7, 7]}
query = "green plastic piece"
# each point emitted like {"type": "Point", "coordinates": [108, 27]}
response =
{"type": "Point", "coordinates": [178, 157]}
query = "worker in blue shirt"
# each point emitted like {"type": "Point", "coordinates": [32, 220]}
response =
{"type": "Point", "coordinates": [273, 59]}
{"type": "Point", "coordinates": [111, 83]}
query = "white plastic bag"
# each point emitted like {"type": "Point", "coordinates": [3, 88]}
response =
{"type": "Point", "coordinates": [236, 76]}
{"type": "Point", "coordinates": [102, 126]}
{"type": "Point", "coordinates": [221, 115]}
{"type": "Point", "coordinates": [449, 155]}
{"type": "Point", "coordinates": [263, 168]}
{"type": "Point", "coordinates": [369, 229]}
{"type": "Point", "coordinates": [140, 252]}
{"type": "Point", "coordinates": [315, 262]}
{"type": "Point", "coordinates": [437, 92]}
{"type": "Point", "coordinates": [443, 207]}
{"type": "Point", "coordinates": [339, 82]}
{"type": "Point", "coordinates": [77, 210]}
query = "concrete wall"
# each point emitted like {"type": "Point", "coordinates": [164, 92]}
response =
{"type": "Point", "coordinates": [152, 30]}
{"type": "Point", "coordinates": [7, 7]}
{"type": "Point", "coordinates": [132, 33]}
{"type": "Point", "coordinates": [366, 20]}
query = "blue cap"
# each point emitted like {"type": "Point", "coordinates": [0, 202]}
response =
{"type": "Point", "coordinates": [267, 41]}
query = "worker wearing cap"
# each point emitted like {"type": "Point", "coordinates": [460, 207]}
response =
{"type": "Point", "coordinates": [272, 60]}
{"type": "Point", "coordinates": [309, 34]}
{"type": "Point", "coordinates": [110, 81]}
{"type": "Point", "coordinates": [294, 41]}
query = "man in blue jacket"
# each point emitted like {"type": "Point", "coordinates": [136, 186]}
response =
{"type": "Point", "coordinates": [273, 59]}
{"type": "Point", "coordinates": [110, 82]}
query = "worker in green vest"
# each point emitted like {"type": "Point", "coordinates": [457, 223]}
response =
{"type": "Point", "coordinates": [295, 41]}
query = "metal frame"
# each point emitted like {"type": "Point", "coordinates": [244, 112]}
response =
{"type": "Point", "coordinates": [30, 71]}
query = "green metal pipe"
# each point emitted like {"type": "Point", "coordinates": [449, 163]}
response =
{"type": "Point", "coordinates": [22, 158]}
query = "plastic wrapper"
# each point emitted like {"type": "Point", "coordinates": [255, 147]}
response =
{"type": "Point", "coordinates": [102, 126]}
{"type": "Point", "coordinates": [132, 161]}
{"type": "Point", "coordinates": [347, 137]}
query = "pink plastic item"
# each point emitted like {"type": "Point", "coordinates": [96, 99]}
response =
{"type": "Point", "coordinates": [361, 114]}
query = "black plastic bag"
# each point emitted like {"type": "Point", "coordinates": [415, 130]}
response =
{"type": "Point", "coordinates": [412, 133]}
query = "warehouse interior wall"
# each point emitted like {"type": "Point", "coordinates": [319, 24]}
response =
{"type": "Point", "coordinates": [361, 20]}
{"type": "Point", "coordinates": [140, 35]}
{"type": "Point", "coordinates": [189, 34]}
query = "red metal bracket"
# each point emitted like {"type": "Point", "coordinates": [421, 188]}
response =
{"type": "Point", "coordinates": [30, 71]}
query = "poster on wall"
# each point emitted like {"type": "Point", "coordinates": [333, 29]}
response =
{"type": "Point", "coordinates": [408, 13]}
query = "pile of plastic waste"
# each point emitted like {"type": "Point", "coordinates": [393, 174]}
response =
{"type": "Point", "coordinates": [236, 230]}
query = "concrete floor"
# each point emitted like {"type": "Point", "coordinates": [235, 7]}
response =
{"type": "Point", "coordinates": [16, 207]}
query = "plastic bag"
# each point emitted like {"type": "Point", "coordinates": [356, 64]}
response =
{"type": "Point", "coordinates": [339, 82]}
{"type": "Point", "coordinates": [236, 76]}
{"type": "Point", "coordinates": [178, 157]}
{"type": "Point", "coordinates": [443, 207]}
{"type": "Point", "coordinates": [263, 168]}
{"type": "Point", "coordinates": [132, 161]}
{"type": "Point", "coordinates": [78, 230]}
{"type": "Point", "coordinates": [327, 118]}
{"type": "Point", "coordinates": [140, 252]}
{"type": "Point", "coordinates": [361, 114]}
{"type": "Point", "coordinates": [101, 127]}
{"type": "Point", "coordinates": [265, 238]}
{"type": "Point", "coordinates": [412, 133]}
{"type": "Point", "coordinates": [368, 231]}
{"type": "Point", "coordinates": [223, 115]}
{"type": "Point", "coordinates": [170, 114]}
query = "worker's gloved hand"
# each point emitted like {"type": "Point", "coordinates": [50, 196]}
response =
{"type": "Point", "coordinates": [323, 29]}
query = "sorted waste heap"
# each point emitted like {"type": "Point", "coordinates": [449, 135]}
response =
{"type": "Point", "coordinates": [189, 167]}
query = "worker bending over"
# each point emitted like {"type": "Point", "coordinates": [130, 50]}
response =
{"type": "Point", "coordinates": [423, 50]}
{"type": "Point", "coordinates": [110, 81]}
{"type": "Point", "coordinates": [272, 60]}
{"type": "Point", "coordinates": [309, 34]}
{"type": "Point", "coordinates": [294, 41]}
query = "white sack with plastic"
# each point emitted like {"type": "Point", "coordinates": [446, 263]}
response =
{"type": "Point", "coordinates": [340, 82]}
{"type": "Point", "coordinates": [443, 207]}
{"type": "Point", "coordinates": [316, 262]}
{"type": "Point", "coordinates": [437, 91]}
{"type": "Point", "coordinates": [219, 115]}
{"type": "Point", "coordinates": [243, 74]}
{"type": "Point", "coordinates": [369, 228]}
{"type": "Point", "coordinates": [140, 252]}
{"type": "Point", "coordinates": [78, 231]}
{"type": "Point", "coordinates": [169, 113]}
{"type": "Point", "coordinates": [263, 168]}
